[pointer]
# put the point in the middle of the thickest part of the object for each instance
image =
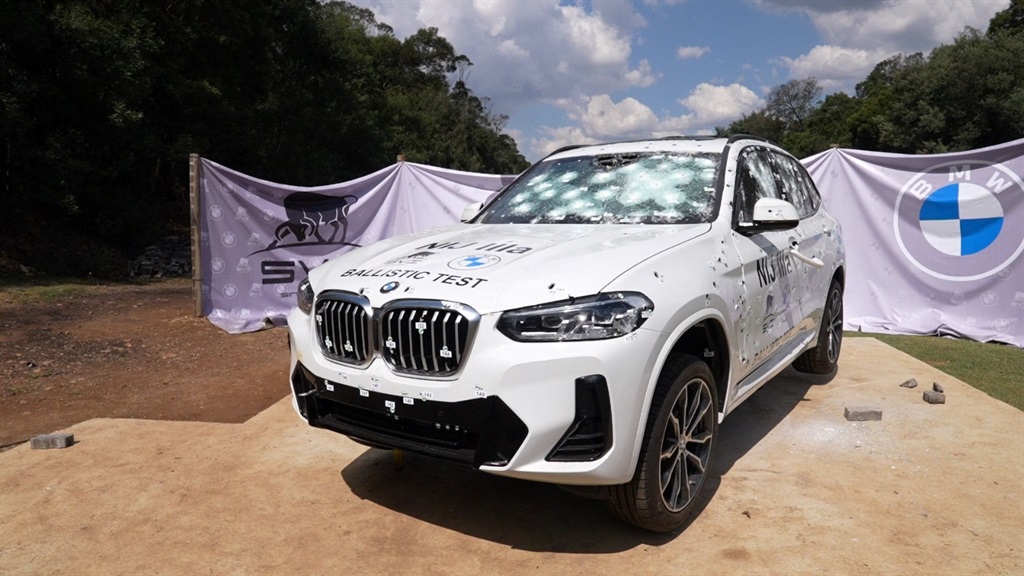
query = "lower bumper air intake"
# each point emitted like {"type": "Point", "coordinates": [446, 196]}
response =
{"type": "Point", "coordinates": [590, 435]}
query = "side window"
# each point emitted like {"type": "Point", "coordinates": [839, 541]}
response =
{"type": "Point", "coordinates": [808, 185]}
{"type": "Point", "coordinates": [797, 185]}
{"type": "Point", "coordinates": [755, 181]}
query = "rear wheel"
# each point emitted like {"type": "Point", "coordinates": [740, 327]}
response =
{"type": "Point", "coordinates": [824, 357]}
{"type": "Point", "coordinates": [677, 449]}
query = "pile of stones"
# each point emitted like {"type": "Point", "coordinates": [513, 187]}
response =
{"type": "Point", "coordinates": [171, 258]}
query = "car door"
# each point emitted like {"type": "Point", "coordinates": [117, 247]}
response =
{"type": "Point", "coordinates": [772, 310]}
{"type": "Point", "coordinates": [812, 242]}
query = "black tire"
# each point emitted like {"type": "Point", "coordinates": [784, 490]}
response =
{"type": "Point", "coordinates": [677, 450]}
{"type": "Point", "coordinates": [824, 357]}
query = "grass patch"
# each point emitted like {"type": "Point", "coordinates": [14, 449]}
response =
{"type": "Point", "coordinates": [37, 290]}
{"type": "Point", "coordinates": [17, 293]}
{"type": "Point", "coordinates": [44, 293]}
{"type": "Point", "coordinates": [995, 369]}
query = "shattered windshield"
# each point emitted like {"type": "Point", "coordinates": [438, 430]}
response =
{"type": "Point", "coordinates": [649, 188]}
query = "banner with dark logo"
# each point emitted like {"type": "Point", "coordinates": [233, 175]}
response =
{"type": "Point", "coordinates": [259, 239]}
{"type": "Point", "coordinates": [934, 242]}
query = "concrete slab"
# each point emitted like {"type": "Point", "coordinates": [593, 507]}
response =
{"type": "Point", "coordinates": [928, 489]}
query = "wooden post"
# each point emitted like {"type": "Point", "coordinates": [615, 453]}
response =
{"type": "Point", "coordinates": [195, 218]}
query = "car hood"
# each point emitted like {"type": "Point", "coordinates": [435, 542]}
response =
{"type": "Point", "coordinates": [494, 267]}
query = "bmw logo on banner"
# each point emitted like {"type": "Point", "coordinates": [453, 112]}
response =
{"type": "Point", "coordinates": [961, 221]}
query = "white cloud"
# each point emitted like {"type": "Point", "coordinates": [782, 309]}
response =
{"type": "Point", "coordinates": [642, 76]}
{"type": "Point", "coordinates": [599, 42]}
{"type": "Point", "coordinates": [554, 138]}
{"type": "Point", "coordinates": [859, 34]}
{"type": "Point", "coordinates": [600, 119]}
{"type": "Point", "coordinates": [511, 50]}
{"type": "Point", "coordinates": [525, 52]}
{"type": "Point", "coordinates": [892, 25]}
{"type": "Point", "coordinates": [690, 52]}
{"type": "Point", "coordinates": [717, 104]}
{"type": "Point", "coordinates": [821, 5]}
{"type": "Point", "coordinates": [834, 67]}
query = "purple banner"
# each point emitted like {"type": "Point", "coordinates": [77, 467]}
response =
{"type": "Point", "coordinates": [934, 242]}
{"type": "Point", "coordinates": [259, 239]}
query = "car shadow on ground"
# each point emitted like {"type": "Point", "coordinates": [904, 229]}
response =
{"type": "Point", "coordinates": [759, 414]}
{"type": "Point", "coordinates": [541, 517]}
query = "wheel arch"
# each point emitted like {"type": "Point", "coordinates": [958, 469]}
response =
{"type": "Point", "coordinates": [703, 329]}
{"type": "Point", "coordinates": [707, 340]}
{"type": "Point", "coordinates": [840, 276]}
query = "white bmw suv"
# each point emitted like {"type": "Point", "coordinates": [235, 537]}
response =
{"type": "Point", "coordinates": [589, 327]}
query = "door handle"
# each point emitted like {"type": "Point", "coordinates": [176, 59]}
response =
{"type": "Point", "coordinates": [816, 262]}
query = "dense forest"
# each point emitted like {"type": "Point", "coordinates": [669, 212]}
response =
{"type": "Point", "coordinates": [102, 101]}
{"type": "Point", "coordinates": [962, 96]}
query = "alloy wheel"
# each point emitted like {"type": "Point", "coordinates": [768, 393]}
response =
{"type": "Point", "coordinates": [686, 445]}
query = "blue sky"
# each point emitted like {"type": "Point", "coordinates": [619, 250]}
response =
{"type": "Point", "coordinates": [602, 70]}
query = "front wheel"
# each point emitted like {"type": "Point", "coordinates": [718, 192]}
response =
{"type": "Point", "coordinates": [677, 449]}
{"type": "Point", "coordinates": [824, 357]}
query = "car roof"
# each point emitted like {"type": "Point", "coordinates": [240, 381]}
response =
{"type": "Point", "coordinates": [668, 144]}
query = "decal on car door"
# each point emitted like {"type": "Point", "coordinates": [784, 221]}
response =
{"type": "Point", "coordinates": [769, 273]}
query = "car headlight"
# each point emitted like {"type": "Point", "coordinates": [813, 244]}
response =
{"type": "Point", "coordinates": [304, 297]}
{"type": "Point", "coordinates": [597, 317]}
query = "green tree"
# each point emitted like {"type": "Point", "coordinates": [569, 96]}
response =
{"type": "Point", "coordinates": [964, 95]}
{"type": "Point", "coordinates": [978, 83]}
{"type": "Point", "coordinates": [103, 100]}
{"type": "Point", "coordinates": [1010, 20]}
{"type": "Point", "coordinates": [76, 81]}
{"type": "Point", "coordinates": [758, 123]}
{"type": "Point", "coordinates": [787, 109]}
{"type": "Point", "coordinates": [827, 126]}
{"type": "Point", "coordinates": [794, 101]}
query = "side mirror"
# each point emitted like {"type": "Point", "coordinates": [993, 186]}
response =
{"type": "Point", "coordinates": [470, 212]}
{"type": "Point", "coordinates": [771, 214]}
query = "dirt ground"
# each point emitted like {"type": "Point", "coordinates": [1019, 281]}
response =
{"type": "Point", "coordinates": [795, 487]}
{"type": "Point", "coordinates": [129, 351]}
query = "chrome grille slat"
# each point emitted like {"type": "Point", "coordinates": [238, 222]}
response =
{"type": "Point", "coordinates": [433, 340]}
{"type": "Point", "coordinates": [458, 347]}
{"type": "Point", "coordinates": [401, 315]}
{"type": "Point", "coordinates": [444, 335]}
{"type": "Point", "coordinates": [333, 330]}
{"type": "Point", "coordinates": [357, 335]}
{"type": "Point", "coordinates": [329, 326]}
{"type": "Point", "coordinates": [386, 335]}
{"type": "Point", "coordinates": [410, 352]}
{"type": "Point", "coordinates": [346, 322]}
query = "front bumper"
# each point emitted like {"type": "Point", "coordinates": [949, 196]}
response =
{"type": "Point", "coordinates": [565, 412]}
{"type": "Point", "coordinates": [478, 432]}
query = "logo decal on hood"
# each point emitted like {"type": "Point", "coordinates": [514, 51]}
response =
{"type": "Point", "coordinates": [389, 287]}
{"type": "Point", "coordinates": [474, 262]}
{"type": "Point", "coordinates": [509, 248]}
{"type": "Point", "coordinates": [410, 259]}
